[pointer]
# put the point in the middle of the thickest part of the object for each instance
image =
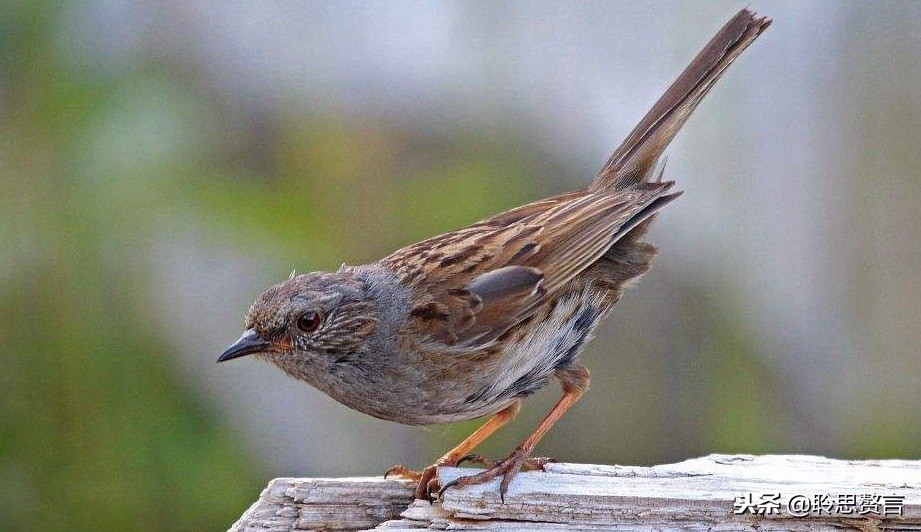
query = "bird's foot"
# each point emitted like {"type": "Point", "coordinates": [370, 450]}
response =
{"type": "Point", "coordinates": [507, 469]}
{"type": "Point", "coordinates": [427, 487]}
{"type": "Point", "coordinates": [426, 480]}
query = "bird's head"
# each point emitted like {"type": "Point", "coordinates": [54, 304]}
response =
{"type": "Point", "coordinates": [314, 317]}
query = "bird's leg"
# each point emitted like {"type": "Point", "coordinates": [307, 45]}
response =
{"type": "Point", "coordinates": [575, 381]}
{"type": "Point", "coordinates": [427, 483]}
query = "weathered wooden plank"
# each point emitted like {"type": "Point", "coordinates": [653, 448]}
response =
{"type": "Point", "coordinates": [699, 494]}
{"type": "Point", "coordinates": [326, 503]}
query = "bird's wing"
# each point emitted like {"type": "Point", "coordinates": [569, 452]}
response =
{"type": "Point", "coordinates": [472, 285]}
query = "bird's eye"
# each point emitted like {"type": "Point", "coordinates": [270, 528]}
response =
{"type": "Point", "coordinates": [309, 321]}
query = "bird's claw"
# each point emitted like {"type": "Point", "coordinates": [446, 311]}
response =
{"type": "Point", "coordinates": [531, 463]}
{"type": "Point", "coordinates": [478, 459]}
{"type": "Point", "coordinates": [428, 488]}
{"type": "Point", "coordinates": [537, 463]}
{"type": "Point", "coordinates": [402, 471]}
{"type": "Point", "coordinates": [426, 480]}
{"type": "Point", "coordinates": [507, 469]}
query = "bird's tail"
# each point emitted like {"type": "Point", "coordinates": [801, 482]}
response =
{"type": "Point", "coordinates": [635, 160]}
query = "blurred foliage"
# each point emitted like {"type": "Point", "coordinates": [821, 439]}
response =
{"type": "Point", "coordinates": [96, 431]}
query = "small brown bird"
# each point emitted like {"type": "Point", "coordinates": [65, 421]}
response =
{"type": "Point", "coordinates": [467, 323]}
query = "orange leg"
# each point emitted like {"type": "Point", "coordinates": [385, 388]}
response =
{"type": "Point", "coordinates": [425, 478]}
{"type": "Point", "coordinates": [479, 435]}
{"type": "Point", "coordinates": [575, 382]}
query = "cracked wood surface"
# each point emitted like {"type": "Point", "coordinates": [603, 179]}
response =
{"type": "Point", "coordinates": [698, 494]}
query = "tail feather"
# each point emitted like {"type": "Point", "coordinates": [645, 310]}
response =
{"type": "Point", "coordinates": [635, 160]}
{"type": "Point", "coordinates": [639, 223]}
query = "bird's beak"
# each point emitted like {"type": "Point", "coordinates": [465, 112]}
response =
{"type": "Point", "coordinates": [248, 344]}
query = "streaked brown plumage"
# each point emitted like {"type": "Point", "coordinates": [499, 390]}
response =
{"type": "Point", "coordinates": [465, 324]}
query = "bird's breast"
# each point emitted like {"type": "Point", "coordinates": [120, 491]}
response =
{"type": "Point", "coordinates": [549, 340]}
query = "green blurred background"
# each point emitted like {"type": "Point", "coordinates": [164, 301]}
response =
{"type": "Point", "coordinates": [161, 163]}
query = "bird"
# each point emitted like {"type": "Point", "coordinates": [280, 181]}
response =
{"type": "Point", "coordinates": [469, 323]}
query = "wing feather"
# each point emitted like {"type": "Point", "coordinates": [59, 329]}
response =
{"type": "Point", "coordinates": [474, 284]}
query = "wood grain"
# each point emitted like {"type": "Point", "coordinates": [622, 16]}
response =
{"type": "Point", "coordinates": [698, 494]}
